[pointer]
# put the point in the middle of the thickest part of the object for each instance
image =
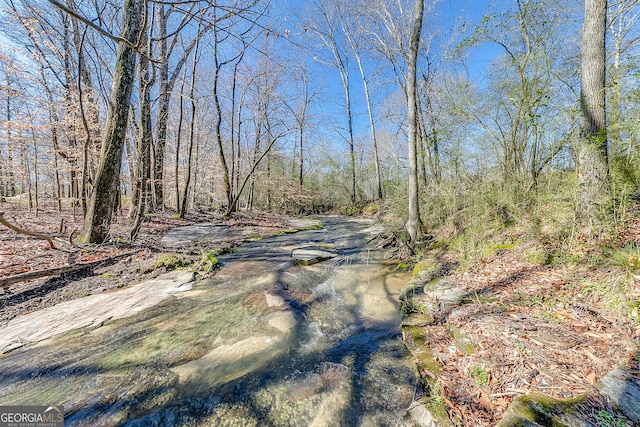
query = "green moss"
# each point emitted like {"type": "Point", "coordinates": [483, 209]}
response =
{"type": "Point", "coordinates": [317, 226]}
{"type": "Point", "coordinates": [187, 336]}
{"type": "Point", "coordinates": [210, 260]}
{"type": "Point", "coordinates": [480, 375]}
{"type": "Point", "coordinates": [497, 248]}
{"type": "Point", "coordinates": [371, 209]}
{"type": "Point", "coordinates": [415, 339]}
{"type": "Point", "coordinates": [437, 409]}
{"type": "Point", "coordinates": [541, 409]}
{"type": "Point", "coordinates": [171, 262]}
{"type": "Point", "coordinates": [539, 256]}
{"type": "Point", "coordinates": [426, 267]}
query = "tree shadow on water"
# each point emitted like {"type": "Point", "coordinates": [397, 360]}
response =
{"type": "Point", "coordinates": [347, 378]}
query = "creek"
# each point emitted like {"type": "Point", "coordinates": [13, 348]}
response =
{"type": "Point", "coordinates": [263, 342]}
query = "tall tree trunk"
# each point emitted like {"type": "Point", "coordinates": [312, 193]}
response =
{"type": "Point", "coordinates": [593, 174]}
{"type": "Point", "coordinates": [130, 158]}
{"type": "Point", "coordinates": [433, 142]}
{"type": "Point", "coordinates": [26, 175]}
{"type": "Point", "coordinates": [166, 85]}
{"type": "Point", "coordinates": [422, 150]}
{"type": "Point", "coordinates": [414, 223]}
{"type": "Point", "coordinates": [372, 125]}
{"type": "Point", "coordinates": [164, 96]}
{"type": "Point", "coordinates": [70, 102]}
{"type": "Point", "coordinates": [614, 134]}
{"type": "Point", "coordinates": [301, 171]}
{"type": "Point", "coordinates": [35, 170]}
{"type": "Point", "coordinates": [10, 186]}
{"type": "Point", "coordinates": [86, 148]}
{"type": "Point", "coordinates": [218, 124]}
{"type": "Point", "coordinates": [196, 187]}
{"type": "Point", "coordinates": [92, 126]}
{"type": "Point", "coordinates": [98, 218]}
{"type": "Point", "coordinates": [178, 141]}
{"type": "Point", "coordinates": [53, 123]}
{"type": "Point", "coordinates": [192, 134]}
{"type": "Point", "coordinates": [140, 202]}
{"type": "Point", "coordinates": [352, 153]}
{"type": "Point", "coordinates": [235, 135]}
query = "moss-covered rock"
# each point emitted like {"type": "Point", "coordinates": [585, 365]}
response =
{"type": "Point", "coordinates": [426, 269]}
{"type": "Point", "coordinates": [171, 262]}
{"type": "Point", "coordinates": [429, 411]}
{"type": "Point", "coordinates": [537, 409]}
{"type": "Point", "coordinates": [463, 343]}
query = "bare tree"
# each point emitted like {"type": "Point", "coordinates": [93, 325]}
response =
{"type": "Point", "coordinates": [168, 74]}
{"type": "Point", "coordinates": [355, 44]}
{"type": "Point", "coordinates": [328, 30]}
{"type": "Point", "coordinates": [192, 137]}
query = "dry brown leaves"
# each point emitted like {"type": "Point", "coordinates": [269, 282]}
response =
{"type": "Point", "coordinates": [532, 333]}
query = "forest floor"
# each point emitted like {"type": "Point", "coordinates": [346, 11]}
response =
{"type": "Point", "coordinates": [553, 328]}
{"type": "Point", "coordinates": [550, 327]}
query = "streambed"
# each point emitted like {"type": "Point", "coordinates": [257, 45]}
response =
{"type": "Point", "coordinates": [263, 342]}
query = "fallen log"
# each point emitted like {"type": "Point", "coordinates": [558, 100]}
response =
{"type": "Point", "coordinates": [18, 230]}
{"type": "Point", "coordinates": [6, 281]}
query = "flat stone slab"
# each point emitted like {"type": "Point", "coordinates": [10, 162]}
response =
{"type": "Point", "coordinates": [184, 235]}
{"type": "Point", "coordinates": [188, 234]}
{"type": "Point", "coordinates": [91, 311]}
{"type": "Point", "coordinates": [304, 223]}
{"type": "Point", "coordinates": [623, 389]}
{"type": "Point", "coordinates": [311, 256]}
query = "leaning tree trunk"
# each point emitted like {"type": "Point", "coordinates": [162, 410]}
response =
{"type": "Point", "coordinates": [593, 190]}
{"type": "Point", "coordinates": [103, 199]}
{"type": "Point", "coordinates": [414, 223]}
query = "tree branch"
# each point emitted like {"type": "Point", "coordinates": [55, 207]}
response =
{"type": "Point", "coordinates": [18, 230]}
{"type": "Point", "coordinates": [98, 28]}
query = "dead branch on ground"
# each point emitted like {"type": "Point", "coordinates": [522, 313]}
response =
{"type": "Point", "coordinates": [18, 230]}
{"type": "Point", "coordinates": [6, 281]}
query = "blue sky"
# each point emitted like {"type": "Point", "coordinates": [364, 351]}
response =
{"type": "Point", "coordinates": [447, 14]}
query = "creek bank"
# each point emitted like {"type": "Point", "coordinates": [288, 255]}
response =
{"type": "Point", "coordinates": [443, 327]}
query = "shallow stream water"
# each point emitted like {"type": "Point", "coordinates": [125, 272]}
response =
{"type": "Point", "coordinates": [263, 342]}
